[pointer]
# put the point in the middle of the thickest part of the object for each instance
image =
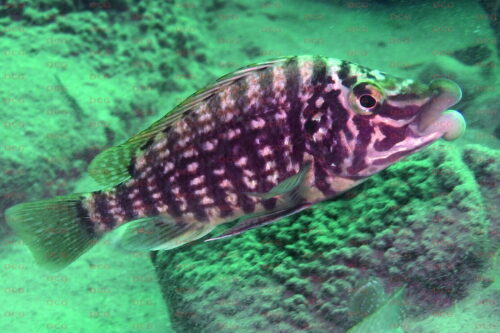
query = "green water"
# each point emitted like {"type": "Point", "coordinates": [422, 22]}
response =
{"type": "Point", "coordinates": [414, 249]}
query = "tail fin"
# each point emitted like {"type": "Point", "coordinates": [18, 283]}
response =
{"type": "Point", "coordinates": [57, 231]}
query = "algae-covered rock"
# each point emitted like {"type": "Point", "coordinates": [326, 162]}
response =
{"type": "Point", "coordinates": [423, 223]}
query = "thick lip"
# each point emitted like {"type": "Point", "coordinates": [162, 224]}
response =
{"type": "Point", "coordinates": [435, 116]}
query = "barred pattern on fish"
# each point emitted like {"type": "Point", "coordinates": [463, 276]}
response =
{"type": "Point", "coordinates": [261, 143]}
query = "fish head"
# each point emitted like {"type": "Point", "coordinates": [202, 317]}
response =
{"type": "Point", "coordinates": [390, 118]}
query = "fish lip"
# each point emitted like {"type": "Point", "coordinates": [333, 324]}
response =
{"type": "Point", "coordinates": [445, 94]}
{"type": "Point", "coordinates": [435, 116]}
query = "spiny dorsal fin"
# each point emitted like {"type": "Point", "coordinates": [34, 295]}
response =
{"type": "Point", "coordinates": [198, 97]}
{"type": "Point", "coordinates": [112, 166]}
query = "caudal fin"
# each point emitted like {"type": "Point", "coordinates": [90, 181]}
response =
{"type": "Point", "coordinates": [57, 231]}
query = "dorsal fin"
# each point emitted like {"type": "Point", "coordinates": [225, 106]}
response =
{"type": "Point", "coordinates": [112, 166]}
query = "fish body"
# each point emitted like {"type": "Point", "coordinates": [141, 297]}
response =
{"type": "Point", "coordinates": [259, 144]}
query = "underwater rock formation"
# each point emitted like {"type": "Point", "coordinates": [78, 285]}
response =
{"type": "Point", "coordinates": [492, 11]}
{"type": "Point", "coordinates": [474, 80]}
{"type": "Point", "coordinates": [481, 111]}
{"type": "Point", "coordinates": [83, 84]}
{"type": "Point", "coordinates": [424, 223]}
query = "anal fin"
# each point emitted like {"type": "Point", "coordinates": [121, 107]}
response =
{"type": "Point", "coordinates": [158, 233]}
{"type": "Point", "coordinates": [259, 221]}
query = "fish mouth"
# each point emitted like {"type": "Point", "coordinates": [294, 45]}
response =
{"type": "Point", "coordinates": [435, 116]}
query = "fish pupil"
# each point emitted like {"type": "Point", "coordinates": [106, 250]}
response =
{"type": "Point", "coordinates": [367, 101]}
{"type": "Point", "coordinates": [311, 126]}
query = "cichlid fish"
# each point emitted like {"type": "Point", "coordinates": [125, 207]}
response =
{"type": "Point", "coordinates": [259, 144]}
{"type": "Point", "coordinates": [368, 297]}
{"type": "Point", "coordinates": [388, 318]}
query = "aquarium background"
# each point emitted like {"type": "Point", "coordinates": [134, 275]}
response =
{"type": "Point", "coordinates": [411, 250]}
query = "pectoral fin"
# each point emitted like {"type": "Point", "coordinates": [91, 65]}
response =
{"type": "Point", "coordinates": [289, 188]}
{"type": "Point", "coordinates": [287, 192]}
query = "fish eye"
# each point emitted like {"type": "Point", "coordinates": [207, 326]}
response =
{"type": "Point", "coordinates": [365, 98]}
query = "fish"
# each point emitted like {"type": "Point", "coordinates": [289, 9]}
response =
{"type": "Point", "coordinates": [368, 297]}
{"type": "Point", "coordinates": [388, 317]}
{"type": "Point", "coordinates": [263, 142]}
